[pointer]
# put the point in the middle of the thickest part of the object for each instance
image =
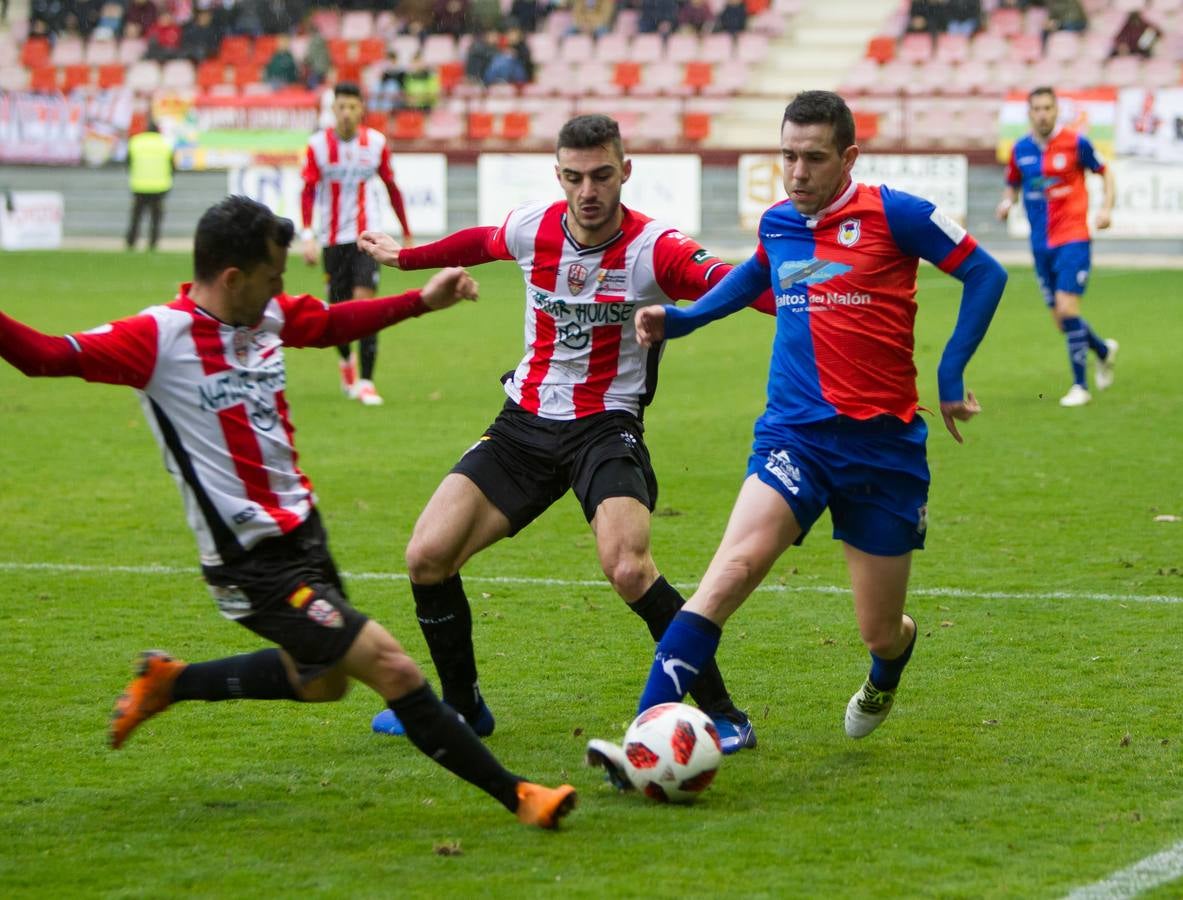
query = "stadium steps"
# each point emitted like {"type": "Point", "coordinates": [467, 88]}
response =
{"type": "Point", "coordinates": [825, 40]}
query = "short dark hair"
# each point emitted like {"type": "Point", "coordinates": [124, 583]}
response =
{"type": "Point", "coordinates": [347, 89]}
{"type": "Point", "coordinates": [1042, 89]}
{"type": "Point", "coordinates": [825, 108]}
{"type": "Point", "coordinates": [585, 132]}
{"type": "Point", "coordinates": [235, 233]}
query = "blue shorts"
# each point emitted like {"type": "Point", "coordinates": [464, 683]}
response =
{"type": "Point", "coordinates": [1065, 268]}
{"type": "Point", "coordinates": [872, 475]}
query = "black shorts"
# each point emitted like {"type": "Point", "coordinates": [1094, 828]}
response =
{"type": "Point", "coordinates": [346, 267]}
{"type": "Point", "coordinates": [524, 463]}
{"type": "Point", "coordinates": [287, 590]}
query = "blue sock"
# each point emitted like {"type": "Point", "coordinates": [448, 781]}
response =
{"type": "Point", "coordinates": [1076, 333]}
{"type": "Point", "coordinates": [1097, 345]}
{"type": "Point", "coordinates": [885, 673]}
{"type": "Point", "coordinates": [688, 644]}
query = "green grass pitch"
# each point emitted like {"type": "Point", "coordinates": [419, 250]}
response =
{"type": "Point", "coordinates": [1036, 742]}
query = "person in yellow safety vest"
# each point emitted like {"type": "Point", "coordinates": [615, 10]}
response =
{"type": "Point", "coordinates": [150, 164]}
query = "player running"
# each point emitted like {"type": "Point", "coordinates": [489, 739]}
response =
{"type": "Point", "coordinates": [339, 166]}
{"type": "Point", "coordinates": [1049, 164]}
{"type": "Point", "coordinates": [210, 371]}
{"type": "Point", "coordinates": [572, 420]}
{"type": "Point", "coordinates": [840, 429]}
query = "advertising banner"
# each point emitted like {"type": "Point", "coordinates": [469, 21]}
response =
{"type": "Point", "coordinates": [31, 220]}
{"type": "Point", "coordinates": [55, 130]}
{"type": "Point", "coordinates": [941, 179]}
{"type": "Point", "coordinates": [217, 132]}
{"type": "Point", "coordinates": [663, 187]}
{"type": "Point", "coordinates": [1092, 113]}
{"type": "Point", "coordinates": [422, 178]}
{"type": "Point", "coordinates": [1150, 124]}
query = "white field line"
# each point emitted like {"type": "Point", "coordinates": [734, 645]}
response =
{"type": "Point", "coordinates": [938, 592]}
{"type": "Point", "coordinates": [1145, 875]}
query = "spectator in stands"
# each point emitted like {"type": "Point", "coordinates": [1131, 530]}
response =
{"type": "Point", "coordinates": [421, 85]}
{"type": "Point", "coordinates": [484, 15]}
{"type": "Point", "coordinates": [281, 70]}
{"type": "Point", "coordinates": [164, 38]}
{"type": "Point", "coordinates": [1136, 37]}
{"type": "Point", "coordinates": [248, 17]}
{"type": "Point", "coordinates": [1064, 15]}
{"type": "Point", "coordinates": [592, 17]}
{"type": "Point", "coordinates": [928, 15]}
{"type": "Point", "coordinates": [141, 14]}
{"type": "Point", "coordinates": [416, 15]}
{"type": "Point", "coordinates": [965, 17]}
{"type": "Point", "coordinates": [450, 17]}
{"type": "Point", "coordinates": [316, 59]}
{"type": "Point", "coordinates": [660, 16]}
{"type": "Point", "coordinates": [200, 38]}
{"type": "Point", "coordinates": [515, 39]}
{"type": "Point", "coordinates": [109, 24]}
{"type": "Point", "coordinates": [480, 53]}
{"type": "Point", "coordinates": [280, 16]}
{"type": "Point", "coordinates": [526, 14]}
{"type": "Point", "coordinates": [733, 17]}
{"type": "Point", "coordinates": [388, 94]}
{"type": "Point", "coordinates": [695, 16]}
{"type": "Point", "coordinates": [512, 64]}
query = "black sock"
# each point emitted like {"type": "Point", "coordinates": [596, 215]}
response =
{"type": "Point", "coordinates": [442, 735]}
{"type": "Point", "coordinates": [251, 676]}
{"type": "Point", "coordinates": [657, 607]}
{"type": "Point", "coordinates": [368, 347]}
{"type": "Point", "coordinates": [343, 350]}
{"type": "Point", "coordinates": [446, 622]}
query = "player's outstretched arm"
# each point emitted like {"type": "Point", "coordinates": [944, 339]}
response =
{"type": "Point", "coordinates": [381, 246]}
{"type": "Point", "coordinates": [447, 287]}
{"type": "Point", "coordinates": [36, 354]}
{"type": "Point", "coordinates": [650, 324]}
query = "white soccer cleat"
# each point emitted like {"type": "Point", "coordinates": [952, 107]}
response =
{"type": "Point", "coordinates": [348, 370]}
{"type": "Point", "coordinates": [1103, 374]}
{"type": "Point", "coordinates": [867, 709]}
{"type": "Point", "coordinates": [609, 757]}
{"type": "Point", "coordinates": [1076, 396]}
{"type": "Point", "coordinates": [366, 393]}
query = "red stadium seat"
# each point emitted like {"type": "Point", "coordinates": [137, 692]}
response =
{"type": "Point", "coordinates": [43, 79]}
{"type": "Point", "coordinates": [264, 48]}
{"type": "Point", "coordinates": [247, 73]}
{"type": "Point", "coordinates": [209, 73]}
{"type": "Point", "coordinates": [376, 120]}
{"type": "Point", "coordinates": [881, 49]}
{"type": "Point", "coordinates": [515, 126]}
{"type": "Point", "coordinates": [235, 49]}
{"type": "Point", "coordinates": [450, 75]}
{"type": "Point", "coordinates": [370, 50]}
{"type": "Point", "coordinates": [74, 76]}
{"type": "Point", "coordinates": [696, 127]}
{"type": "Point", "coordinates": [1005, 22]}
{"type": "Point", "coordinates": [339, 51]}
{"type": "Point", "coordinates": [480, 126]}
{"type": "Point", "coordinates": [349, 71]}
{"type": "Point", "coordinates": [35, 53]}
{"type": "Point", "coordinates": [111, 76]}
{"type": "Point", "coordinates": [408, 125]}
{"type": "Point", "coordinates": [627, 74]}
{"type": "Point", "coordinates": [866, 125]}
{"type": "Point", "coordinates": [916, 48]}
{"type": "Point", "coordinates": [698, 76]}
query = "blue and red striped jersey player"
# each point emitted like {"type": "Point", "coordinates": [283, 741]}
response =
{"type": "Point", "coordinates": [572, 417]}
{"type": "Point", "coordinates": [1049, 166]}
{"type": "Point", "coordinates": [841, 428]}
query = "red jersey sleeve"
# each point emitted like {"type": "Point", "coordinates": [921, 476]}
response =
{"type": "Point", "coordinates": [1013, 176]}
{"type": "Point", "coordinates": [686, 271]}
{"type": "Point", "coordinates": [123, 352]}
{"type": "Point", "coordinates": [309, 322]}
{"type": "Point", "coordinates": [311, 176]}
{"type": "Point", "coordinates": [467, 247]}
{"type": "Point", "coordinates": [386, 173]}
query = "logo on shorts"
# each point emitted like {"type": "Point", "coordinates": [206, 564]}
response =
{"type": "Point", "coordinates": [629, 438]}
{"type": "Point", "coordinates": [576, 277]}
{"type": "Point", "coordinates": [324, 613]}
{"type": "Point", "coordinates": [1082, 276]}
{"type": "Point", "coordinates": [848, 233]}
{"type": "Point", "coordinates": [786, 473]}
{"type": "Point", "coordinates": [922, 519]}
{"type": "Point", "coordinates": [300, 596]}
{"type": "Point", "coordinates": [232, 602]}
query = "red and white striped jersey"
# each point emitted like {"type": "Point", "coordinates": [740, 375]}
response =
{"type": "Point", "coordinates": [339, 186]}
{"type": "Point", "coordinates": [214, 396]}
{"type": "Point", "coordinates": [582, 355]}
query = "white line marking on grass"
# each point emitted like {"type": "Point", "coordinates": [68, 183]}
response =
{"type": "Point", "coordinates": [955, 593]}
{"type": "Point", "coordinates": [1149, 873]}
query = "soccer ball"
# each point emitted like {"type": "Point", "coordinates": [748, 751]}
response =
{"type": "Point", "coordinates": [673, 752]}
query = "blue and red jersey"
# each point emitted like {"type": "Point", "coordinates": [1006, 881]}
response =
{"type": "Point", "coordinates": [844, 283]}
{"type": "Point", "coordinates": [1052, 179]}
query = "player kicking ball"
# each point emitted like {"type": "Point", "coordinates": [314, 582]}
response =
{"type": "Point", "coordinates": [209, 368]}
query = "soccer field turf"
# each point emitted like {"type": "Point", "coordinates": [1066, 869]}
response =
{"type": "Point", "coordinates": [1036, 742]}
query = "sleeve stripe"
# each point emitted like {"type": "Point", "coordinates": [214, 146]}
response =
{"type": "Point", "coordinates": [74, 343]}
{"type": "Point", "coordinates": [958, 254]}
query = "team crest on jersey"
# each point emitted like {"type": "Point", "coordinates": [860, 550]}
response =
{"type": "Point", "coordinates": [576, 277]}
{"type": "Point", "coordinates": [1059, 161]}
{"type": "Point", "coordinates": [324, 613]}
{"type": "Point", "coordinates": [242, 345]}
{"type": "Point", "coordinates": [848, 232]}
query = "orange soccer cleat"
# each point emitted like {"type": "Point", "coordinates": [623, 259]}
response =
{"type": "Point", "coordinates": [543, 806]}
{"type": "Point", "coordinates": [149, 693]}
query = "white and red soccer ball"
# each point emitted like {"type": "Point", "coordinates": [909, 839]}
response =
{"type": "Point", "coordinates": [673, 752]}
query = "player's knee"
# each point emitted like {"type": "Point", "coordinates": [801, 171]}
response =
{"type": "Point", "coordinates": [428, 562]}
{"type": "Point", "coordinates": [397, 673]}
{"type": "Point", "coordinates": [883, 639]}
{"type": "Point", "coordinates": [630, 575]}
{"type": "Point", "coordinates": [328, 688]}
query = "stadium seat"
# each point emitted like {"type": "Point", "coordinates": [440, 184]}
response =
{"type": "Point", "coordinates": [549, 78]}
{"type": "Point", "coordinates": [866, 124]}
{"type": "Point", "coordinates": [43, 79]}
{"type": "Point", "coordinates": [235, 49]}
{"type": "Point", "coordinates": [340, 51]}
{"type": "Point", "coordinates": [627, 75]}
{"type": "Point", "coordinates": [696, 127]}
{"type": "Point", "coordinates": [577, 48]}
{"type": "Point", "coordinates": [1026, 48]}
{"type": "Point", "coordinates": [716, 47]}
{"type": "Point", "coordinates": [177, 75]}
{"type": "Point", "coordinates": [1005, 22]}
{"type": "Point", "coordinates": [357, 25]}
{"type": "Point", "coordinates": [559, 22]}
{"type": "Point", "coordinates": [209, 73]}
{"type": "Point", "coordinates": [132, 50]}
{"type": "Point", "coordinates": [952, 49]}
{"type": "Point", "coordinates": [407, 125]}
{"type": "Point", "coordinates": [626, 22]}
{"type": "Point", "coordinates": [698, 76]}
{"type": "Point", "coordinates": [646, 48]}
{"type": "Point", "coordinates": [247, 73]}
{"type": "Point", "coordinates": [863, 77]}
{"type": "Point", "coordinates": [10, 51]}
{"type": "Point", "coordinates": [612, 48]}
{"type": "Point", "coordinates": [750, 47]}
{"type": "Point", "coordinates": [111, 76]}
{"type": "Point", "coordinates": [450, 75]}
{"type": "Point", "coordinates": [988, 47]}
{"type": "Point", "coordinates": [660, 78]}
{"type": "Point", "coordinates": [916, 48]}
{"type": "Point", "coordinates": [728, 78]}
{"type": "Point", "coordinates": [443, 125]}
{"type": "Point", "coordinates": [480, 126]}
{"type": "Point", "coordinates": [515, 126]}
{"type": "Point", "coordinates": [543, 46]}
{"type": "Point", "coordinates": [439, 49]}
{"type": "Point", "coordinates": [327, 22]}
{"type": "Point", "coordinates": [35, 53]}
{"type": "Point", "coordinates": [101, 52]}
{"type": "Point", "coordinates": [75, 76]}
{"type": "Point", "coordinates": [1063, 46]}
{"type": "Point", "coordinates": [264, 47]}
{"type": "Point", "coordinates": [1123, 71]}
{"type": "Point", "coordinates": [13, 78]}
{"type": "Point", "coordinates": [682, 47]}
{"type": "Point", "coordinates": [143, 77]}
{"type": "Point", "coordinates": [370, 50]}
{"type": "Point", "coordinates": [68, 51]}
{"type": "Point", "coordinates": [1034, 20]}
{"type": "Point", "coordinates": [881, 48]}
